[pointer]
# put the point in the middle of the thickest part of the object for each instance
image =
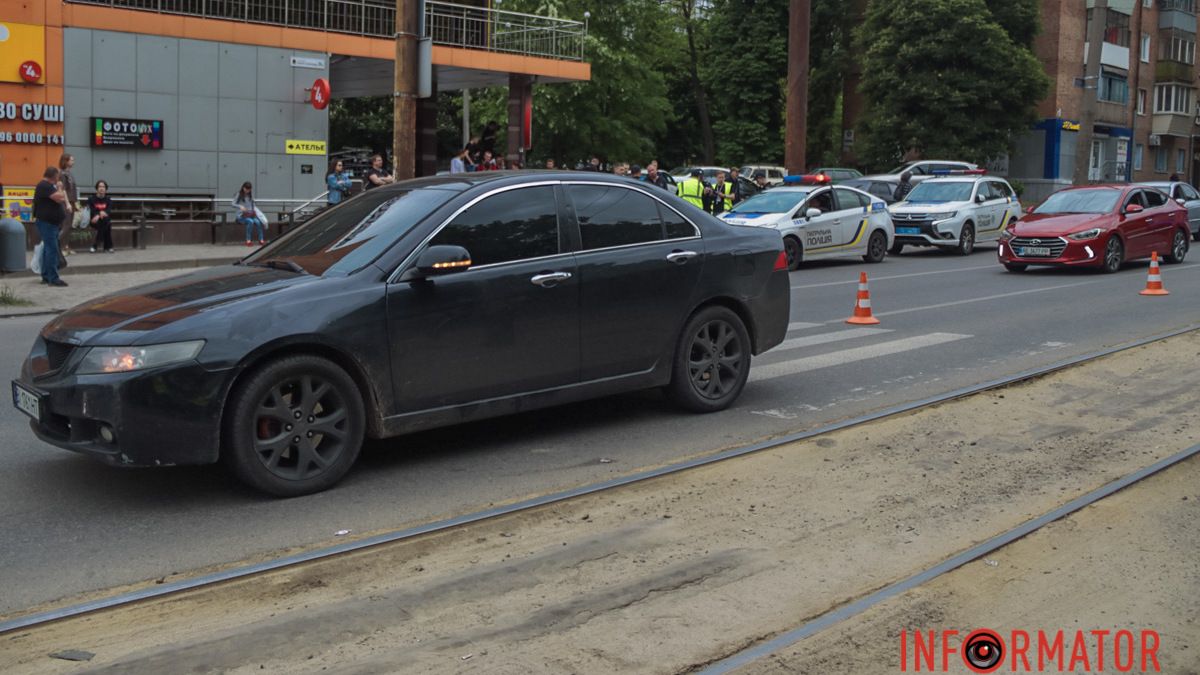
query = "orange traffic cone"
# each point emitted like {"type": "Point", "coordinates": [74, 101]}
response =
{"type": "Point", "coordinates": [1154, 279]}
{"type": "Point", "coordinates": [862, 306]}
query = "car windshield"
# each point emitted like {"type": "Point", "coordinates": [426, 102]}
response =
{"type": "Point", "coordinates": [346, 237]}
{"type": "Point", "coordinates": [931, 192]}
{"type": "Point", "coordinates": [771, 202]}
{"type": "Point", "coordinates": [1080, 201]}
{"type": "Point", "coordinates": [903, 167]}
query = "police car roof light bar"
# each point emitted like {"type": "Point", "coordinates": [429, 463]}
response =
{"type": "Point", "coordinates": [959, 172]}
{"type": "Point", "coordinates": [806, 179]}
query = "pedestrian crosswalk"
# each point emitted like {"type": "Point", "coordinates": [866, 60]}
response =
{"type": "Point", "coordinates": [874, 348]}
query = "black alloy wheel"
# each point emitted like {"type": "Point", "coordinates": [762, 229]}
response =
{"type": "Point", "coordinates": [1114, 255]}
{"type": "Point", "coordinates": [794, 252]}
{"type": "Point", "coordinates": [1179, 248]}
{"type": "Point", "coordinates": [295, 426]}
{"type": "Point", "coordinates": [712, 361]}
{"type": "Point", "coordinates": [966, 240]}
{"type": "Point", "coordinates": [876, 247]}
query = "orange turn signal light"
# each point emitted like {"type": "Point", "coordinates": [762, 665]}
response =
{"type": "Point", "coordinates": [452, 265]}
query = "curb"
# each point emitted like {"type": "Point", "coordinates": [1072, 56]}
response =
{"type": "Point", "coordinates": [144, 266]}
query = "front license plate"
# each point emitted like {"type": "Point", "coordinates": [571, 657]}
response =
{"type": "Point", "coordinates": [1030, 251]}
{"type": "Point", "coordinates": [27, 401]}
{"type": "Point", "coordinates": [908, 230]}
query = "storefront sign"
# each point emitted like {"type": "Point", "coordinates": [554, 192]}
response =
{"type": "Point", "coordinates": [31, 71]}
{"type": "Point", "coordinates": [295, 147]}
{"type": "Point", "coordinates": [18, 203]}
{"type": "Point", "coordinates": [308, 62]}
{"type": "Point", "coordinates": [320, 93]}
{"type": "Point", "coordinates": [30, 137]}
{"type": "Point", "coordinates": [1068, 125]}
{"type": "Point", "coordinates": [22, 53]}
{"type": "Point", "coordinates": [31, 112]}
{"type": "Point", "coordinates": [126, 133]}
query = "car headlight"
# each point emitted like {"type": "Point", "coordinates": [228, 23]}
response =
{"type": "Point", "coordinates": [945, 215]}
{"type": "Point", "coordinates": [1086, 234]}
{"type": "Point", "coordinates": [1006, 234]}
{"type": "Point", "coordinates": [125, 359]}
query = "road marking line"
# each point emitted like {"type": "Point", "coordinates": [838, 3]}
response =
{"type": "Point", "coordinates": [897, 276]}
{"type": "Point", "coordinates": [823, 338]}
{"type": "Point", "coordinates": [800, 325]}
{"type": "Point", "coordinates": [839, 358]}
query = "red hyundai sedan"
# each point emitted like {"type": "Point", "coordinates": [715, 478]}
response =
{"type": "Point", "coordinates": [1097, 226]}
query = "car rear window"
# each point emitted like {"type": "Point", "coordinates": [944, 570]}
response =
{"type": "Point", "coordinates": [614, 216]}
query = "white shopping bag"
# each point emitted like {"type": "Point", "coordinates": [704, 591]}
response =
{"type": "Point", "coordinates": [35, 264]}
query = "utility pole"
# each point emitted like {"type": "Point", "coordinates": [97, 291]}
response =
{"type": "Point", "coordinates": [1091, 92]}
{"type": "Point", "coordinates": [852, 100]}
{"type": "Point", "coordinates": [404, 96]}
{"type": "Point", "coordinates": [795, 143]}
{"type": "Point", "coordinates": [1136, 67]}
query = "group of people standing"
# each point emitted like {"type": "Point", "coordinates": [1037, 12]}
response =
{"type": "Point", "coordinates": [56, 209]}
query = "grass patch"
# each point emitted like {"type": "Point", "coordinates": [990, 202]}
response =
{"type": "Point", "coordinates": [9, 299]}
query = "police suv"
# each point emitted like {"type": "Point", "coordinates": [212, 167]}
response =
{"type": "Point", "coordinates": [819, 220]}
{"type": "Point", "coordinates": [953, 211]}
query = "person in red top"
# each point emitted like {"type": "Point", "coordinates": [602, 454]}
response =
{"type": "Point", "coordinates": [100, 207]}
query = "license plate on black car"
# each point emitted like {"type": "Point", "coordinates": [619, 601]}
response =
{"type": "Point", "coordinates": [1033, 251]}
{"type": "Point", "coordinates": [27, 401]}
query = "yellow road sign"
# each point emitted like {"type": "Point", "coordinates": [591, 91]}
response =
{"type": "Point", "coordinates": [299, 147]}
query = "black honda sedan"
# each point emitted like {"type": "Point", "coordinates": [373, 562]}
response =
{"type": "Point", "coordinates": [417, 305]}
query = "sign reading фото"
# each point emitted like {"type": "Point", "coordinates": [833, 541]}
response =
{"type": "Point", "coordinates": [126, 133]}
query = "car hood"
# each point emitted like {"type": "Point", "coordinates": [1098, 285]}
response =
{"type": "Point", "coordinates": [754, 219]}
{"type": "Point", "coordinates": [927, 207]}
{"type": "Point", "coordinates": [132, 315]}
{"type": "Point", "coordinates": [1035, 224]}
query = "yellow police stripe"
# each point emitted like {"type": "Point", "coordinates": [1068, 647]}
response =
{"type": "Point", "coordinates": [862, 228]}
{"type": "Point", "coordinates": [1003, 222]}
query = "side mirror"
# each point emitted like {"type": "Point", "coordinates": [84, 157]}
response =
{"type": "Point", "coordinates": [1181, 200]}
{"type": "Point", "coordinates": [979, 199]}
{"type": "Point", "coordinates": [1028, 209]}
{"type": "Point", "coordinates": [439, 260]}
{"type": "Point", "coordinates": [812, 213]}
{"type": "Point", "coordinates": [1134, 208]}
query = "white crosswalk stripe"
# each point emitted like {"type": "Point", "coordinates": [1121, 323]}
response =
{"type": "Point", "coordinates": [825, 338]}
{"type": "Point", "coordinates": [800, 325]}
{"type": "Point", "coordinates": [838, 358]}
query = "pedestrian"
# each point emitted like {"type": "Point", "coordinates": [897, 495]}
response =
{"type": "Point", "coordinates": [550, 164]}
{"type": "Point", "coordinates": [654, 177]}
{"type": "Point", "coordinates": [1174, 178]}
{"type": "Point", "coordinates": [904, 187]}
{"type": "Point", "coordinates": [99, 206]}
{"type": "Point", "coordinates": [692, 189]}
{"type": "Point", "coordinates": [760, 182]}
{"type": "Point", "coordinates": [376, 175]}
{"type": "Point", "coordinates": [461, 161]}
{"type": "Point", "coordinates": [635, 172]}
{"type": "Point", "coordinates": [593, 164]}
{"type": "Point", "coordinates": [487, 141]}
{"type": "Point", "coordinates": [722, 197]}
{"type": "Point", "coordinates": [621, 169]}
{"type": "Point", "coordinates": [49, 211]}
{"type": "Point", "coordinates": [249, 215]}
{"type": "Point", "coordinates": [338, 182]}
{"type": "Point", "coordinates": [734, 180]}
{"type": "Point", "coordinates": [487, 162]}
{"type": "Point", "coordinates": [66, 162]}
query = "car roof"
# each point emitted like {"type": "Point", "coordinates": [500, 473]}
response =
{"type": "Point", "coordinates": [955, 179]}
{"type": "Point", "coordinates": [468, 180]}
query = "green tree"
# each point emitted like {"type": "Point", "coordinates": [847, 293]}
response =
{"type": "Point", "coordinates": [364, 122]}
{"type": "Point", "coordinates": [943, 78]}
{"type": "Point", "coordinates": [1018, 18]}
{"type": "Point", "coordinates": [830, 29]}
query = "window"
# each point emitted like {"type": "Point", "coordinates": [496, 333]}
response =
{"type": "Point", "coordinates": [999, 190]}
{"type": "Point", "coordinates": [1180, 159]}
{"type": "Point", "coordinates": [677, 227]}
{"type": "Point", "coordinates": [883, 190]}
{"type": "Point", "coordinates": [614, 216]}
{"type": "Point", "coordinates": [1154, 198]}
{"type": "Point", "coordinates": [1160, 160]}
{"type": "Point", "coordinates": [1141, 102]}
{"type": "Point", "coordinates": [849, 199]}
{"type": "Point", "coordinates": [1188, 192]}
{"type": "Point", "coordinates": [1116, 27]}
{"type": "Point", "coordinates": [1172, 98]}
{"type": "Point", "coordinates": [1136, 198]}
{"type": "Point", "coordinates": [1145, 52]}
{"type": "Point", "coordinates": [1139, 151]}
{"type": "Point", "coordinates": [512, 225]}
{"type": "Point", "coordinates": [1176, 45]}
{"type": "Point", "coordinates": [1113, 88]}
{"type": "Point", "coordinates": [823, 200]}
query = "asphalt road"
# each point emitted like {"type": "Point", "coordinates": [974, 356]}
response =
{"type": "Point", "coordinates": [71, 526]}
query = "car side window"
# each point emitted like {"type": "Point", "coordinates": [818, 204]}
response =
{"type": "Point", "coordinates": [883, 190]}
{"type": "Point", "coordinates": [919, 169]}
{"type": "Point", "coordinates": [1188, 191]}
{"type": "Point", "coordinates": [1135, 198]}
{"type": "Point", "coordinates": [849, 199]}
{"type": "Point", "coordinates": [512, 225]}
{"type": "Point", "coordinates": [614, 216]}
{"type": "Point", "coordinates": [1154, 198]}
{"type": "Point", "coordinates": [676, 226]}
{"type": "Point", "coordinates": [822, 200]}
{"type": "Point", "coordinates": [776, 173]}
{"type": "Point", "coordinates": [1003, 191]}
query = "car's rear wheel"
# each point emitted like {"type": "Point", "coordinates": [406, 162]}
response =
{"type": "Point", "coordinates": [876, 247]}
{"type": "Point", "coordinates": [896, 249]}
{"type": "Point", "coordinates": [294, 427]}
{"type": "Point", "coordinates": [1015, 267]}
{"type": "Point", "coordinates": [1179, 248]}
{"type": "Point", "coordinates": [712, 361]}
{"type": "Point", "coordinates": [966, 240]}
{"type": "Point", "coordinates": [1114, 255]}
{"type": "Point", "coordinates": [794, 252]}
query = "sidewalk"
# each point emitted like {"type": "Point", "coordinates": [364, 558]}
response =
{"type": "Point", "coordinates": [92, 275]}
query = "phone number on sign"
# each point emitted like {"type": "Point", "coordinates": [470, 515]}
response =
{"type": "Point", "coordinates": [30, 137]}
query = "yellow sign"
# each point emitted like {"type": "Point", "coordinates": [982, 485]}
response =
{"type": "Point", "coordinates": [1068, 125]}
{"type": "Point", "coordinates": [20, 44]}
{"type": "Point", "coordinates": [18, 203]}
{"type": "Point", "coordinates": [295, 147]}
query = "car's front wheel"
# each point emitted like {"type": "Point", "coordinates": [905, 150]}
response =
{"type": "Point", "coordinates": [294, 426]}
{"type": "Point", "coordinates": [1114, 255]}
{"type": "Point", "coordinates": [1179, 248]}
{"type": "Point", "coordinates": [966, 240]}
{"type": "Point", "coordinates": [896, 249]}
{"type": "Point", "coordinates": [712, 361]}
{"type": "Point", "coordinates": [876, 247]}
{"type": "Point", "coordinates": [794, 252]}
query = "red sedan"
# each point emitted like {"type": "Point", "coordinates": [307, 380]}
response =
{"type": "Point", "coordinates": [1097, 226]}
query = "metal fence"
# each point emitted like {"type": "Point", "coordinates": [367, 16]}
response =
{"type": "Point", "coordinates": [446, 23]}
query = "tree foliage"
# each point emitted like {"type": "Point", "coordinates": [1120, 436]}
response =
{"type": "Point", "coordinates": [942, 78]}
{"type": "Point", "coordinates": [1018, 18]}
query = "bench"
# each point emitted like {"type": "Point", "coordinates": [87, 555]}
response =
{"type": "Point", "coordinates": [138, 229]}
{"type": "Point", "coordinates": [284, 219]}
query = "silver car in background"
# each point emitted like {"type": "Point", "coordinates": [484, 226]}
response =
{"type": "Point", "coordinates": [1187, 197]}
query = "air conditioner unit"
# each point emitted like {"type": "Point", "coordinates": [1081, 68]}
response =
{"type": "Point", "coordinates": [1155, 140]}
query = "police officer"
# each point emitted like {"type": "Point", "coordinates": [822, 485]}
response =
{"type": "Point", "coordinates": [722, 195]}
{"type": "Point", "coordinates": [904, 187]}
{"type": "Point", "coordinates": [692, 189]}
{"type": "Point", "coordinates": [760, 181]}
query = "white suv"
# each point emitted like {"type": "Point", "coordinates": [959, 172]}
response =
{"type": "Point", "coordinates": [954, 212]}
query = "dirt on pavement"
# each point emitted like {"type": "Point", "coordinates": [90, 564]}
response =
{"type": "Point", "coordinates": [671, 573]}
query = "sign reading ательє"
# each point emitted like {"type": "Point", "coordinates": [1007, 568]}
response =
{"type": "Point", "coordinates": [297, 147]}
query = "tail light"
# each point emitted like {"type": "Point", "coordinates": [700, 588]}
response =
{"type": "Point", "coordinates": [781, 262]}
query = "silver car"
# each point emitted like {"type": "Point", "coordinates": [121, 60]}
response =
{"type": "Point", "coordinates": [925, 168]}
{"type": "Point", "coordinates": [1186, 196]}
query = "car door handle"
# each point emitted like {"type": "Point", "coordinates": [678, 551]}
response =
{"type": "Point", "coordinates": [681, 257]}
{"type": "Point", "coordinates": [549, 279]}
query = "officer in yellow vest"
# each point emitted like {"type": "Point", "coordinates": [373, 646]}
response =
{"type": "Point", "coordinates": [692, 189]}
{"type": "Point", "coordinates": [722, 198]}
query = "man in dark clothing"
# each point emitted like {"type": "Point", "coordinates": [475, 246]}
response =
{"type": "Point", "coordinates": [654, 177]}
{"type": "Point", "coordinates": [49, 212]}
{"type": "Point", "coordinates": [635, 172]}
{"type": "Point", "coordinates": [760, 182]}
{"type": "Point", "coordinates": [904, 187]}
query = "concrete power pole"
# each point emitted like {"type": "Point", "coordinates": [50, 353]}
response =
{"type": "Point", "coordinates": [795, 143]}
{"type": "Point", "coordinates": [1091, 92]}
{"type": "Point", "coordinates": [404, 115]}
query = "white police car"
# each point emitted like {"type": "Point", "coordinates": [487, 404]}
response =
{"type": "Point", "coordinates": [818, 220]}
{"type": "Point", "coordinates": [954, 211]}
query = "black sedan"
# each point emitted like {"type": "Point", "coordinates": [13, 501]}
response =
{"type": "Point", "coordinates": [412, 306]}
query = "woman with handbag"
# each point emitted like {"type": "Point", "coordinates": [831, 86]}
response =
{"type": "Point", "coordinates": [249, 215]}
{"type": "Point", "coordinates": [99, 206]}
{"type": "Point", "coordinates": [65, 162]}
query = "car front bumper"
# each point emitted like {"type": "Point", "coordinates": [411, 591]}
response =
{"type": "Point", "coordinates": [927, 233]}
{"type": "Point", "coordinates": [162, 417]}
{"type": "Point", "coordinates": [1076, 254]}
